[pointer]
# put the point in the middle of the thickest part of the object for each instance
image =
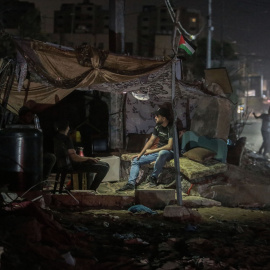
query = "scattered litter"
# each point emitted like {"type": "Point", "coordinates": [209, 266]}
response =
{"type": "Point", "coordinates": [17, 205]}
{"type": "Point", "coordinates": [144, 261]}
{"type": "Point", "coordinates": [40, 200]}
{"type": "Point", "coordinates": [10, 197]}
{"type": "Point", "coordinates": [254, 155]}
{"type": "Point", "coordinates": [239, 229]}
{"type": "Point", "coordinates": [114, 217]}
{"type": "Point", "coordinates": [69, 259]}
{"type": "Point", "coordinates": [136, 241]}
{"type": "Point", "coordinates": [191, 228]}
{"type": "Point", "coordinates": [130, 238]}
{"type": "Point", "coordinates": [80, 228]}
{"type": "Point", "coordinates": [197, 241]}
{"type": "Point", "coordinates": [124, 236]}
{"type": "Point", "coordinates": [106, 224]}
{"type": "Point", "coordinates": [141, 208]}
{"type": "Point", "coordinates": [169, 266]}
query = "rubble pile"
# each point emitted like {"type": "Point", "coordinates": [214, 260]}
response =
{"type": "Point", "coordinates": [34, 238]}
{"type": "Point", "coordinates": [251, 161]}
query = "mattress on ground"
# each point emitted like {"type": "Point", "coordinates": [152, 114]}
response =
{"type": "Point", "coordinates": [189, 168]}
{"type": "Point", "coordinates": [193, 170]}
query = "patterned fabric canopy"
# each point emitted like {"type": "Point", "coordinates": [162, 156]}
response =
{"type": "Point", "coordinates": [55, 71]}
{"type": "Point", "coordinates": [67, 68]}
{"type": "Point", "coordinates": [157, 84]}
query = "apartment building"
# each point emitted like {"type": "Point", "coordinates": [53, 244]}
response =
{"type": "Point", "coordinates": [148, 30]}
{"type": "Point", "coordinates": [155, 28]}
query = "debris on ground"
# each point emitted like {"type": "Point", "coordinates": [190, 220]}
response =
{"type": "Point", "coordinates": [34, 237]}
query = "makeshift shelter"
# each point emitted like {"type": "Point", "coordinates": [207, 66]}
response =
{"type": "Point", "coordinates": [46, 70]}
{"type": "Point", "coordinates": [57, 71]}
{"type": "Point", "coordinates": [54, 67]}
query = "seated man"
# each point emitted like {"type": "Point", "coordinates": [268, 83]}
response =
{"type": "Point", "coordinates": [163, 153]}
{"type": "Point", "coordinates": [64, 149]}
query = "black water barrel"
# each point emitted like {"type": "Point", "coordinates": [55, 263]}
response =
{"type": "Point", "coordinates": [21, 157]}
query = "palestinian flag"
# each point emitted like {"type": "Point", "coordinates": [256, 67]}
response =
{"type": "Point", "coordinates": [186, 45]}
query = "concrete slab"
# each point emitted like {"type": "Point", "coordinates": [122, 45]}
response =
{"type": "Point", "coordinates": [195, 201]}
{"type": "Point", "coordinates": [88, 199]}
{"type": "Point", "coordinates": [236, 187]}
{"type": "Point", "coordinates": [82, 198]}
{"type": "Point", "coordinates": [155, 198]}
{"type": "Point", "coordinates": [152, 198]}
{"type": "Point", "coordinates": [181, 213]}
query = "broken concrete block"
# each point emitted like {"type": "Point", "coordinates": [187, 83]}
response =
{"type": "Point", "coordinates": [84, 198]}
{"type": "Point", "coordinates": [194, 201]}
{"type": "Point", "coordinates": [154, 198]}
{"type": "Point", "coordinates": [181, 213]}
{"type": "Point", "coordinates": [212, 118]}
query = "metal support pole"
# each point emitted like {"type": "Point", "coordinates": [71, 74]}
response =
{"type": "Point", "coordinates": [117, 26]}
{"type": "Point", "coordinates": [208, 60]}
{"type": "Point", "coordinates": [175, 140]}
{"type": "Point", "coordinates": [175, 133]}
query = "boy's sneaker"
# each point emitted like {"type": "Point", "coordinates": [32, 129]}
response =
{"type": "Point", "coordinates": [152, 181]}
{"type": "Point", "coordinates": [127, 186]}
{"type": "Point", "coordinates": [171, 185]}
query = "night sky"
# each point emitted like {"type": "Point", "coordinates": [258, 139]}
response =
{"type": "Point", "coordinates": [245, 22]}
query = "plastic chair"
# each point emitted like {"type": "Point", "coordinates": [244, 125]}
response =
{"type": "Point", "coordinates": [62, 174]}
{"type": "Point", "coordinates": [64, 167]}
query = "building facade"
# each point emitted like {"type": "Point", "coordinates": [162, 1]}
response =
{"type": "Point", "coordinates": [148, 28]}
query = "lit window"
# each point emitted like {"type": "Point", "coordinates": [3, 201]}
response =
{"type": "Point", "coordinates": [193, 20]}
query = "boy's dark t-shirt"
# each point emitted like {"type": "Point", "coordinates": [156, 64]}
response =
{"type": "Point", "coordinates": [163, 133]}
{"type": "Point", "coordinates": [65, 140]}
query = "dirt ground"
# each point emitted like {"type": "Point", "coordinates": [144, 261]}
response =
{"type": "Point", "coordinates": [225, 238]}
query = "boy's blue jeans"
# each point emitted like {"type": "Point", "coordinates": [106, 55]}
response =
{"type": "Point", "coordinates": [160, 157]}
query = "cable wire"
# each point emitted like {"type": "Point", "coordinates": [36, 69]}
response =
{"type": "Point", "coordinates": [172, 14]}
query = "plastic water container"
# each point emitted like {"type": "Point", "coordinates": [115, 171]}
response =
{"type": "Point", "coordinates": [21, 157]}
